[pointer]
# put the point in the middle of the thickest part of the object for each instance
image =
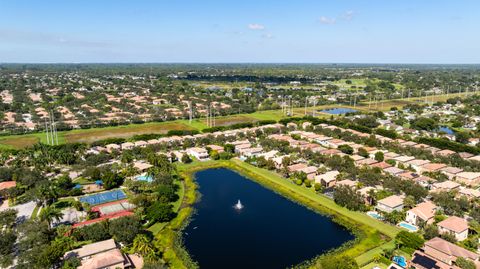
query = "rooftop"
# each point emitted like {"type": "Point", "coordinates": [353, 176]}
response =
{"type": "Point", "coordinates": [454, 223]}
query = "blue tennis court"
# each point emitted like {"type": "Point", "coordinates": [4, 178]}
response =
{"type": "Point", "coordinates": [104, 197]}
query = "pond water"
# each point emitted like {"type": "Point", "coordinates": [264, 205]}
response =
{"type": "Point", "coordinates": [338, 110]}
{"type": "Point", "coordinates": [446, 130]}
{"type": "Point", "coordinates": [270, 231]}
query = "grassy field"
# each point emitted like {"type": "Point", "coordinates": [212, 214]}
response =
{"type": "Point", "coordinates": [372, 235]}
{"type": "Point", "coordinates": [232, 119]}
{"type": "Point", "coordinates": [18, 141]}
{"type": "Point", "coordinates": [399, 103]}
{"type": "Point", "coordinates": [91, 135]}
{"type": "Point", "coordinates": [94, 134]}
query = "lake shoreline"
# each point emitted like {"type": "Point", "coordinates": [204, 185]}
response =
{"type": "Point", "coordinates": [366, 238]}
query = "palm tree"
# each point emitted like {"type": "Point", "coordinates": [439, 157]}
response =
{"type": "Point", "coordinates": [49, 214]}
{"type": "Point", "coordinates": [143, 246]}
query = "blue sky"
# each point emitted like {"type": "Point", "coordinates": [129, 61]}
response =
{"type": "Point", "coordinates": [335, 31]}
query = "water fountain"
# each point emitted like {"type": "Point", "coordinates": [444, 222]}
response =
{"type": "Point", "coordinates": [238, 205]}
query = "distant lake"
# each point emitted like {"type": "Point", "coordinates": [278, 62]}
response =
{"type": "Point", "coordinates": [339, 110]}
{"type": "Point", "coordinates": [446, 130]}
{"type": "Point", "coordinates": [269, 232]}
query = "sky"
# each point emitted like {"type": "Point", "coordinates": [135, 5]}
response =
{"type": "Point", "coordinates": [204, 31]}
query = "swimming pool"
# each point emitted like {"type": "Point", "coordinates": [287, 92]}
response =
{"type": "Point", "coordinates": [338, 110]}
{"type": "Point", "coordinates": [400, 260]}
{"type": "Point", "coordinates": [408, 226]}
{"type": "Point", "coordinates": [375, 215]}
{"type": "Point", "coordinates": [445, 129]}
{"type": "Point", "coordinates": [144, 178]}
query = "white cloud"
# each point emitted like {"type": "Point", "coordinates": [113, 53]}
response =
{"type": "Point", "coordinates": [327, 20]}
{"type": "Point", "coordinates": [256, 26]}
{"type": "Point", "coordinates": [267, 36]}
{"type": "Point", "coordinates": [345, 16]}
{"type": "Point", "coordinates": [348, 15]}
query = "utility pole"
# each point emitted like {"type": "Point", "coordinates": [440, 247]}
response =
{"type": "Point", "coordinates": [206, 115]}
{"type": "Point", "coordinates": [55, 128]}
{"type": "Point", "coordinates": [213, 122]}
{"type": "Point", "coordinates": [46, 131]}
{"type": "Point", "coordinates": [190, 111]}
{"type": "Point", "coordinates": [306, 101]}
{"type": "Point", "coordinates": [51, 127]}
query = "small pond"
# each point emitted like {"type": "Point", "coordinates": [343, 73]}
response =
{"type": "Point", "coordinates": [339, 110]}
{"type": "Point", "coordinates": [270, 231]}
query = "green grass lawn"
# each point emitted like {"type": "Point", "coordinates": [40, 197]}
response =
{"type": "Point", "coordinates": [373, 265]}
{"type": "Point", "coordinates": [157, 227]}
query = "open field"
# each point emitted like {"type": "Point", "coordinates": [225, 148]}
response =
{"type": "Point", "coordinates": [232, 119]}
{"type": "Point", "coordinates": [399, 103]}
{"type": "Point", "coordinates": [94, 134]}
{"type": "Point", "coordinates": [91, 135]}
{"type": "Point", "coordinates": [18, 141]}
{"type": "Point", "coordinates": [372, 235]}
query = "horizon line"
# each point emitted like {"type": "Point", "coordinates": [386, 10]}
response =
{"type": "Point", "coordinates": [246, 62]}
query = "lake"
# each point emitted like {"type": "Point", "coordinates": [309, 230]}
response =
{"type": "Point", "coordinates": [338, 110]}
{"type": "Point", "coordinates": [269, 232]}
{"type": "Point", "coordinates": [445, 129]}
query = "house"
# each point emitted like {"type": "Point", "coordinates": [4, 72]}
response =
{"type": "Point", "coordinates": [347, 182]}
{"type": "Point", "coordinates": [465, 155]}
{"type": "Point", "coordinates": [153, 141]}
{"type": "Point", "coordinates": [200, 154]}
{"type": "Point", "coordinates": [140, 144]}
{"type": "Point", "coordinates": [445, 186]}
{"type": "Point", "coordinates": [279, 161]}
{"type": "Point", "coordinates": [403, 159]}
{"type": "Point", "coordinates": [454, 225]}
{"type": "Point", "coordinates": [141, 165]}
{"type": "Point", "coordinates": [468, 178]}
{"type": "Point", "coordinates": [393, 170]}
{"type": "Point", "coordinates": [390, 155]}
{"type": "Point", "coordinates": [322, 140]}
{"type": "Point", "coordinates": [408, 175]}
{"type": "Point", "coordinates": [250, 152]}
{"type": "Point", "coordinates": [311, 171]}
{"type": "Point", "coordinates": [381, 165]}
{"type": "Point", "coordinates": [104, 254]}
{"type": "Point", "coordinates": [366, 193]}
{"type": "Point", "coordinates": [218, 149]}
{"type": "Point", "coordinates": [292, 125]}
{"type": "Point", "coordinates": [422, 213]}
{"type": "Point", "coordinates": [469, 193]}
{"type": "Point", "coordinates": [296, 167]}
{"type": "Point", "coordinates": [475, 158]}
{"type": "Point", "coordinates": [432, 167]}
{"type": "Point", "coordinates": [127, 145]}
{"type": "Point", "coordinates": [112, 147]}
{"type": "Point", "coordinates": [390, 204]}
{"type": "Point", "coordinates": [5, 186]}
{"type": "Point", "coordinates": [440, 254]}
{"type": "Point", "coordinates": [417, 164]}
{"type": "Point", "coordinates": [306, 124]}
{"type": "Point", "coordinates": [269, 155]}
{"type": "Point", "coordinates": [451, 172]}
{"type": "Point", "coordinates": [242, 146]}
{"type": "Point", "coordinates": [327, 179]}
{"type": "Point", "coordinates": [445, 152]}
{"type": "Point", "coordinates": [366, 161]}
